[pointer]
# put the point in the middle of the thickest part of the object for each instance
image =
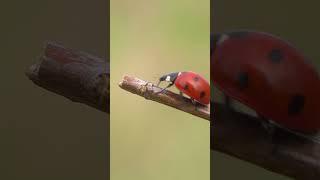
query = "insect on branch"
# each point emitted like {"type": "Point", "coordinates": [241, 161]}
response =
{"type": "Point", "coordinates": [153, 92]}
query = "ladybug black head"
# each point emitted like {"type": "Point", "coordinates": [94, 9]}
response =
{"type": "Point", "coordinates": [169, 77]}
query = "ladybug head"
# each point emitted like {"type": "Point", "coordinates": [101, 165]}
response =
{"type": "Point", "coordinates": [169, 77]}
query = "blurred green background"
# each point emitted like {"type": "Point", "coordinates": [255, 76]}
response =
{"type": "Point", "coordinates": [150, 141]}
{"type": "Point", "coordinates": [45, 136]}
{"type": "Point", "coordinates": [292, 20]}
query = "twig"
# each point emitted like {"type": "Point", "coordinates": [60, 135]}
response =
{"type": "Point", "coordinates": [242, 136]}
{"type": "Point", "coordinates": [75, 75]}
{"type": "Point", "coordinates": [84, 78]}
{"type": "Point", "coordinates": [151, 92]}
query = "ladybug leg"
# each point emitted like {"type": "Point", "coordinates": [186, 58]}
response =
{"type": "Point", "coordinates": [270, 127]}
{"type": "Point", "coordinates": [194, 103]}
{"type": "Point", "coordinates": [181, 94]}
{"type": "Point", "coordinates": [165, 88]}
{"type": "Point", "coordinates": [158, 83]}
{"type": "Point", "coordinates": [267, 125]}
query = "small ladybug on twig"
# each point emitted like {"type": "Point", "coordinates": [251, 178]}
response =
{"type": "Point", "coordinates": [189, 83]}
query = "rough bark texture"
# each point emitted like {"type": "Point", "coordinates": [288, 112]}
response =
{"type": "Point", "coordinates": [149, 91]}
{"type": "Point", "coordinates": [284, 152]}
{"type": "Point", "coordinates": [75, 75]}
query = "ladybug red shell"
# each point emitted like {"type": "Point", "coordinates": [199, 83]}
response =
{"type": "Point", "coordinates": [191, 84]}
{"type": "Point", "coordinates": [268, 75]}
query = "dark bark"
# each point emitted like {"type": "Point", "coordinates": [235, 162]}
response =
{"type": "Point", "coordinates": [73, 74]}
{"type": "Point", "coordinates": [283, 152]}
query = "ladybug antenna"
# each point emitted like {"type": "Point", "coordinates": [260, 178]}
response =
{"type": "Point", "coordinates": [163, 78]}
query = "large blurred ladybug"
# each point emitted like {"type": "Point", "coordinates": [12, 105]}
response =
{"type": "Point", "coordinates": [189, 83]}
{"type": "Point", "coordinates": [268, 75]}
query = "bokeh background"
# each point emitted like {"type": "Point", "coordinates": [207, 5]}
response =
{"type": "Point", "coordinates": [150, 141]}
{"type": "Point", "coordinates": [292, 20]}
{"type": "Point", "coordinates": [44, 135]}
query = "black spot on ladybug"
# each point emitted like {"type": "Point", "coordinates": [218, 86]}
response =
{"type": "Point", "coordinates": [196, 78]}
{"type": "Point", "coordinates": [202, 94]}
{"type": "Point", "coordinates": [238, 34]}
{"type": "Point", "coordinates": [186, 87]}
{"type": "Point", "coordinates": [275, 55]}
{"type": "Point", "coordinates": [296, 105]}
{"type": "Point", "coordinates": [243, 80]}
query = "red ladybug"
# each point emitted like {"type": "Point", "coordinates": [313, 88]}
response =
{"type": "Point", "coordinates": [268, 75]}
{"type": "Point", "coordinates": [190, 83]}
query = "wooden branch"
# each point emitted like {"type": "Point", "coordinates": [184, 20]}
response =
{"type": "Point", "coordinates": [84, 78]}
{"type": "Point", "coordinates": [149, 91]}
{"type": "Point", "coordinates": [75, 75]}
{"type": "Point", "coordinates": [243, 136]}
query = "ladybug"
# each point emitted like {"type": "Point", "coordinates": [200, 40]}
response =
{"type": "Point", "coordinates": [268, 75]}
{"type": "Point", "coordinates": [190, 83]}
